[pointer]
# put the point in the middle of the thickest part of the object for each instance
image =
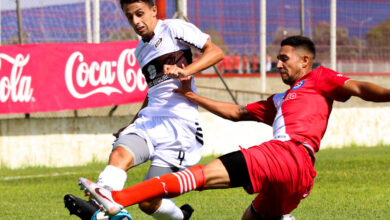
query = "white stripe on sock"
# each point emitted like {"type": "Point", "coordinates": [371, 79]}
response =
{"type": "Point", "coordinates": [192, 177]}
{"type": "Point", "coordinates": [188, 178]}
{"type": "Point", "coordinates": [180, 182]}
{"type": "Point", "coordinates": [184, 181]}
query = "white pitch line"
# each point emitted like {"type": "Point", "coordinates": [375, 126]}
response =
{"type": "Point", "coordinates": [36, 176]}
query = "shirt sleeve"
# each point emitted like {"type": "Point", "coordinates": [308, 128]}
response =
{"type": "Point", "coordinates": [264, 111]}
{"type": "Point", "coordinates": [188, 34]}
{"type": "Point", "coordinates": [329, 83]}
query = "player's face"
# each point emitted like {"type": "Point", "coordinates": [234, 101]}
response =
{"type": "Point", "coordinates": [289, 64]}
{"type": "Point", "coordinates": [142, 18]}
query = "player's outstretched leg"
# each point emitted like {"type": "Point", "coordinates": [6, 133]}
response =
{"type": "Point", "coordinates": [101, 195]}
{"type": "Point", "coordinates": [165, 186]}
{"type": "Point", "coordinates": [83, 209]}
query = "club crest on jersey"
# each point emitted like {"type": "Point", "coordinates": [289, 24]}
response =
{"type": "Point", "coordinates": [152, 71]}
{"type": "Point", "coordinates": [158, 42]}
{"type": "Point", "coordinates": [298, 85]}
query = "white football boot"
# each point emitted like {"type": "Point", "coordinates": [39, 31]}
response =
{"type": "Point", "coordinates": [101, 195]}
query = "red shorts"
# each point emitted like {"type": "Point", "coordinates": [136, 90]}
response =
{"type": "Point", "coordinates": [282, 173]}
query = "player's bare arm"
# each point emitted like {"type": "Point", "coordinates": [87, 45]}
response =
{"type": "Point", "coordinates": [211, 54]}
{"type": "Point", "coordinates": [367, 91]}
{"type": "Point", "coordinates": [225, 110]}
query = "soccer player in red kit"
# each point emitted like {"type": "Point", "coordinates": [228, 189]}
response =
{"type": "Point", "coordinates": [227, 63]}
{"type": "Point", "coordinates": [281, 171]}
{"type": "Point", "coordinates": [236, 62]}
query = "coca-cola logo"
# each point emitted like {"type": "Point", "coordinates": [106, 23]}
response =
{"type": "Point", "coordinates": [101, 76]}
{"type": "Point", "coordinates": [16, 86]}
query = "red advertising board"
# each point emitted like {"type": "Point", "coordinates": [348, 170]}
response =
{"type": "Point", "coordinates": [69, 76]}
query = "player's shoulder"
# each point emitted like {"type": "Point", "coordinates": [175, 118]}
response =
{"type": "Point", "coordinates": [174, 21]}
{"type": "Point", "coordinates": [177, 24]}
{"type": "Point", "coordinates": [319, 70]}
{"type": "Point", "coordinates": [318, 73]}
{"type": "Point", "coordinates": [326, 72]}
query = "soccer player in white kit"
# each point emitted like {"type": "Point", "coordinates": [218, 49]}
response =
{"type": "Point", "coordinates": [166, 129]}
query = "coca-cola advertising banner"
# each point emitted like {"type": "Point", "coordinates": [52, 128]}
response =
{"type": "Point", "coordinates": [69, 76]}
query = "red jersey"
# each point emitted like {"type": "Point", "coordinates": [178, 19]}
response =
{"type": "Point", "coordinates": [254, 62]}
{"type": "Point", "coordinates": [220, 66]}
{"type": "Point", "coordinates": [301, 113]}
{"type": "Point", "coordinates": [227, 63]}
{"type": "Point", "coordinates": [245, 62]}
{"type": "Point", "coordinates": [236, 62]}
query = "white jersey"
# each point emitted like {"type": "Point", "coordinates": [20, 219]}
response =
{"type": "Point", "coordinates": [170, 45]}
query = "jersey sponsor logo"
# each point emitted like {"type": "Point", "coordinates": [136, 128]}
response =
{"type": "Point", "coordinates": [158, 42]}
{"type": "Point", "coordinates": [158, 80]}
{"type": "Point", "coordinates": [290, 96]}
{"type": "Point", "coordinates": [298, 85]}
{"type": "Point", "coordinates": [152, 71]}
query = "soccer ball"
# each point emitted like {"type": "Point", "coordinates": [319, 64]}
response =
{"type": "Point", "coordinates": [123, 215]}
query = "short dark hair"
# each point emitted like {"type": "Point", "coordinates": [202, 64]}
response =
{"type": "Point", "coordinates": [300, 42]}
{"type": "Point", "coordinates": [148, 2]}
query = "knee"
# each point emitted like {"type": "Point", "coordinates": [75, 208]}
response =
{"type": "Point", "coordinates": [121, 158]}
{"type": "Point", "coordinates": [150, 207]}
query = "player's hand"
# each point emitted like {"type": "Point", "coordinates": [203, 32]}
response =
{"type": "Point", "coordinates": [185, 87]}
{"type": "Point", "coordinates": [174, 71]}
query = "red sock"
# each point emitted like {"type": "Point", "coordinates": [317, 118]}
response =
{"type": "Point", "coordinates": [166, 186]}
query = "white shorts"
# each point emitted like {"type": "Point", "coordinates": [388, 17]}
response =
{"type": "Point", "coordinates": [172, 142]}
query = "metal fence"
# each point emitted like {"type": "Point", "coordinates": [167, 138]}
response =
{"type": "Point", "coordinates": [363, 26]}
{"type": "Point", "coordinates": [363, 29]}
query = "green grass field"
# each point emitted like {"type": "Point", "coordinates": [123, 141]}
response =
{"type": "Point", "coordinates": [351, 183]}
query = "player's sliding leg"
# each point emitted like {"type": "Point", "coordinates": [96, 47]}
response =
{"type": "Point", "coordinates": [109, 205]}
{"type": "Point", "coordinates": [287, 179]}
{"type": "Point", "coordinates": [212, 175]}
{"type": "Point", "coordinates": [166, 186]}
